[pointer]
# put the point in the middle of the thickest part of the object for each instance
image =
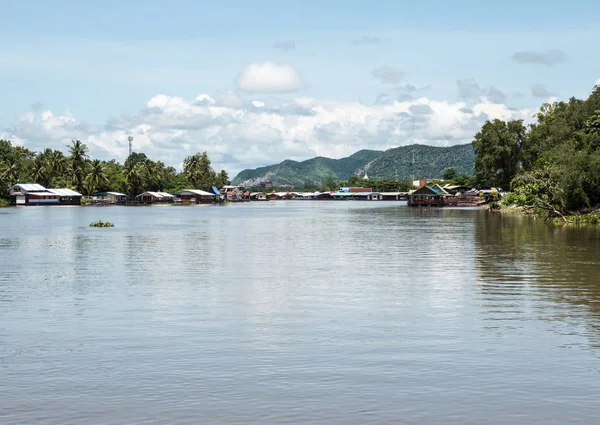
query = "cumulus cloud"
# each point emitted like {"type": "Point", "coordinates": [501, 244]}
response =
{"type": "Point", "coordinates": [548, 58]}
{"type": "Point", "coordinates": [598, 82]}
{"type": "Point", "coordinates": [285, 45]}
{"type": "Point", "coordinates": [240, 133]}
{"type": "Point", "coordinates": [539, 90]}
{"type": "Point", "coordinates": [469, 89]}
{"type": "Point", "coordinates": [269, 77]}
{"type": "Point", "coordinates": [366, 40]}
{"type": "Point", "coordinates": [388, 75]}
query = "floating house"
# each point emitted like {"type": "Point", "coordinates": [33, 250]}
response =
{"type": "Point", "coordinates": [277, 196]}
{"type": "Point", "coordinates": [154, 197]}
{"type": "Point", "coordinates": [431, 196]}
{"type": "Point", "coordinates": [67, 196]}
{"type": "Point", "coordinates": [258, 196]}
{"type": "Point", "coordinates": [195, 196]}
{"type": "Point", "coordinates": [454, 189]}
{"type": "Point", "coordinates": [35, 194]}
{"type": "Point", "coordinates": [393, 196]}
{"type": "Point", "coordinates": [110, 198]}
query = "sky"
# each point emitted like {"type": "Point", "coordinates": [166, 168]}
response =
{"type": "Point", "coordinates": [254, 83]}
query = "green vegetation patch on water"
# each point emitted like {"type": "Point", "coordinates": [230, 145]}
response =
{"type": "Point", "coordinates": [101, 223]}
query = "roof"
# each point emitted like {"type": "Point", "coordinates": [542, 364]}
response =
{"type": "Point", "coordinates": [434, 190]}
{"type": "Point", "coordinates": [30, 187]}
{"type": "Point", "coordinates": [44, 193]}
{"type": "Point", "coordinates": [156, 194]}
{"type": "Point", "coordinates": [64, 192]}
{"type": "Point", "coordinates": [109, 193]}
{"type": "Point", "coordinates": [392, 193]}
{"type": "Point", "coordinates": [348, 194]}
{"type": "Point", "coordinates": [17, 194]}
{"type": "Point", "coordinates": [195, 192]}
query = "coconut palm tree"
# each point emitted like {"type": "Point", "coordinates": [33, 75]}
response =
{"type": "Point", "coordinates": [9, 175]}
{"type": "Point", "coordinates": [96, 178]}
{"type": "Point", "coordinates": [57, 164]}
{"type": "Point", "coordinates": [78, 163]}
{"type": "Point", "coordinates": [136, 177]}
{"type": "Point", "coordinates": [39, 173]}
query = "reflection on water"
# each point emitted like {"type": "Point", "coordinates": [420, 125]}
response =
{"type": "Point", "coordinates": [296, 312]}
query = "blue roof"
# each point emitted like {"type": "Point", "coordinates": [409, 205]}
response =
{"type": "Point", "coordinates": [214, 190]}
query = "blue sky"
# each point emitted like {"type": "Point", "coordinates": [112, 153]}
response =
{"type": "Point", "coordinates": [95, 63]}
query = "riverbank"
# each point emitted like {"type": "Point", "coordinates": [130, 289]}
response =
{"type": "Point", "coordinates": [579, 218]}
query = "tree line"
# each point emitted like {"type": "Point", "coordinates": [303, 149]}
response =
{"type": "Point", "coordinates": [76, 170]}
{"type": "Point", "coordinates": [552, 164]}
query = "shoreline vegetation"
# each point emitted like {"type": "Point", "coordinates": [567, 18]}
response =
{"type": "Point", "coordinates": [550, 168]}
{"type": "Point", "coordinates": [77, 171]}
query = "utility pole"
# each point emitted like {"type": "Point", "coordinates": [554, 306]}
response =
{"type": "Point", "coordinates": [130, 139]}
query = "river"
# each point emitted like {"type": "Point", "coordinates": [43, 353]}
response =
{"type": "Point", "coordinates": [296, 312]}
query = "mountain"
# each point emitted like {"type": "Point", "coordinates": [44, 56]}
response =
{"type": "Point", "coordinates": [409, 162]}
{"type": "Point", "coordinates": [313, 170]}
{"type": "Point", "coordinates": [415, 161]}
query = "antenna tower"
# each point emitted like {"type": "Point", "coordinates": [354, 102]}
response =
{"type": "Point", "coordinates": [130, 139]}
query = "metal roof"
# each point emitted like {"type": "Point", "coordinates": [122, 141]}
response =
{"type": "Point", "coordinates": [30, 187]}
{"type": "Point", "coordinates": [64, 192]}
{"type": "Point", "coordinates": [109, 193]}
{"type": "Point", "coordinates": [156, 194]}
{"type": "Point", "coordinates": [45, 193]}
{"type": "Point", "coordinates": [195, 192]}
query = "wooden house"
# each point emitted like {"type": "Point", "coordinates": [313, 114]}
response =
{"type": "Point", "coordinates": [196, 196]}
{"type": "Point", "coordinates": [154, 197]}
{"type": "Point", "coordinates": [393, 196]}
{"type": "Point", "coordinates": [258, 196]}
{"type": "Point", "coordinates": [431, 196]}
{"type": "Point", "coordinates": [67, 196]}
{"type": "Point", "coordinates": [110, 198]}
{"type": "Point", "coordinates": [35, 194]}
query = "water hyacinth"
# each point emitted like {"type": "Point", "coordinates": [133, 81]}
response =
{"type": "Point", "coordinates": [101, 223]}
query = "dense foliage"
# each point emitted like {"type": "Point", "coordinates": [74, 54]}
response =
{"type": "Point", "coordinates": [76, 170]}
{"type": "Point", "coordinates": [553, 165]}
{"type": "Point", "coordinates": [402, 163]}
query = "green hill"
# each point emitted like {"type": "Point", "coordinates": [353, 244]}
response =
{"type": "Point", "coordinates": [413, 161]}
{"type": "Point", "coordinates": [421, 161]}
{"type": "Point", "coordinates": [313, 170]}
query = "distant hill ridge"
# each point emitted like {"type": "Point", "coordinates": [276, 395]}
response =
{"type": "Point", "coordinates": [409, 162]}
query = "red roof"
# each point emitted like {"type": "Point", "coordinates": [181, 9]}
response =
{"type": "Point", "coordinates": [361, 190]}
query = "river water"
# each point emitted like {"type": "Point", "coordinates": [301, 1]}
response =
{"type": "Point", "coordinates": [296, 313]}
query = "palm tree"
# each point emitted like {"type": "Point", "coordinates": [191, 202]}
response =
{"type": "Point", "coordinates": [198, 171]}
{"type": "Point", "coordinates": [77, 159]}
{"type": "Point", "coordinates": [40, 172]}
{"type": "Point", "coordinates": [56, 164]}
{"type": "Point", "coordinates": [136, 177]}
{"type": "Point", "coordinates": [96, 178]}
{"type": "Point", "coordinates": [9, 175]}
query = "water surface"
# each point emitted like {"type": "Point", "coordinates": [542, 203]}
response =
{"type": "Point", "coordinates": [296, 313]}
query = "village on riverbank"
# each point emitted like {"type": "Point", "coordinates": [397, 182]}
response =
{"type": "Point", "coordinates": [426, 193]}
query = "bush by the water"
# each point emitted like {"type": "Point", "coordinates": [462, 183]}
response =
{"type": "Point", "coordinates": [101, 223]}
{"type": "Point", "coordinates": [3, 203]}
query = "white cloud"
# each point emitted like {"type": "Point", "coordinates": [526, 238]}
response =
{"type": "Point", "coordinates": [269, 77]}
{"type": "Point", "coordinates": [598, 82]}
{"type": "Point", "coordinates": [239, 133]}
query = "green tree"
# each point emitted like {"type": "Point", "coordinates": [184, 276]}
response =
{"type": "Point", "coordinates": [78, 163]}
{"type": "Point", "coordinates": [450, 173]}
{"type": "Point", "coordinates": [198, 171]}
{"type": "Point", "coordinates": [96, 179]}
{"type": "Point", "coordinates": [136, 178]}
{"type": "Point", "coordinates": [498, 152]}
